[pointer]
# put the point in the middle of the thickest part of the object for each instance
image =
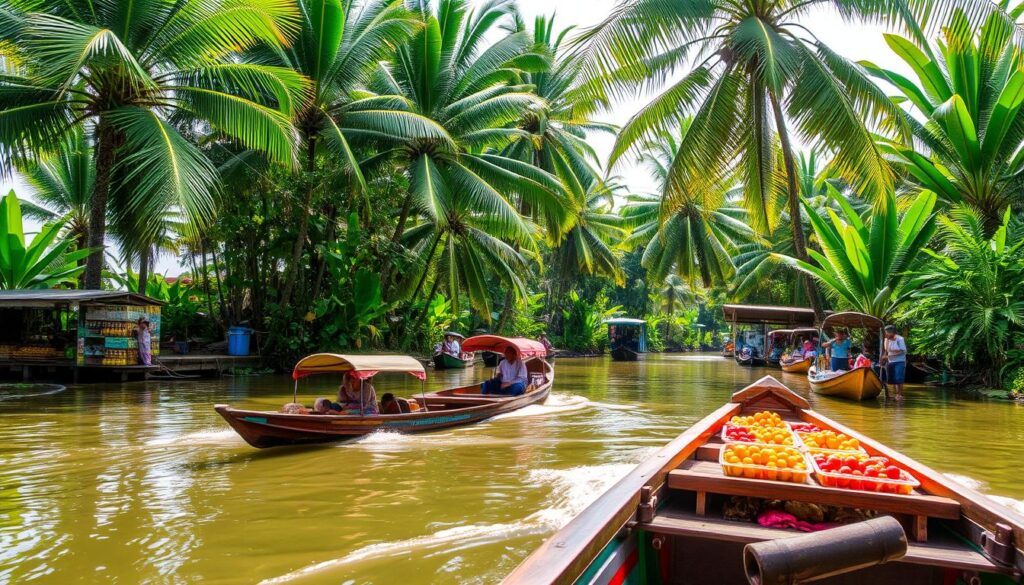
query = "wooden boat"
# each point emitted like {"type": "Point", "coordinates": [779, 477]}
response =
{"type": "Point", "coordinates": [624, 354]}
{"type": "Point", "coordinates": [777, 342]}
{"type": "Point", "coordinates": [728, 350]}
{"type": "Point", "coordinates": [749, 358]}
{"type": "Point", "coordinates": [433, 410]}
{"type": "Point", "coordinates": [796, 367]}
{"type": "Point", "coordinates": [446, 361]}
{"type": "Point", "coordinates": [628, 338]}
{"type": "Point", "coordinates": [664, 523]}
{"type": "Point", "coordinates": [855, 384]}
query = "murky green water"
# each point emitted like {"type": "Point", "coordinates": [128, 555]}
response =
{"type": "Point", "coordinates": [143, 483]}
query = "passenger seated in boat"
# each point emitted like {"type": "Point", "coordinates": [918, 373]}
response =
{"type": "Point", "coordinates": [809, 352]}
{"type": "Point", "coordinates": [451, 346]}
{"type": "Point", "coordinates": [391, 405]}
{"type": "Point", "coordinates": [510, 378]}
{"type": "Point", "coordinates": [351, 398]}
{"type": "Point", "coordinates": [325, 406]}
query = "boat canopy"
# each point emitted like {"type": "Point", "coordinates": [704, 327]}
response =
{"type": "Point", "coordinates": [527, 348]}
{"type": "Point", "coordinates": [454, 334]}
{"type": "Point", "coordinates": [620, 321]}
{"type": "Point", "coordinates": [768, 315]}
{"type": "Point", "coordinates": [779, 332]}
{"type": "Point", "coordinates": [852, 320]}
{"type": "Point", "coordinates": [360, 366]}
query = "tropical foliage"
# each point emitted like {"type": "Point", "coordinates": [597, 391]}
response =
{"type": "Point", "coordinates": [47, 260]}
{"type": "Point", "coordinates": [370, 173]}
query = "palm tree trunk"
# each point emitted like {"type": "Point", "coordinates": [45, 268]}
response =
{"type": "Point", "coordinates": [321, 263]}
{"type": "Point", "coordinates": [396, 237]}
{"type": "Point", "coordinates": [419, 318]}
{"type": "Point", "coordinates": [105, 153]}
{"type": "Point", "coordinates": [300, 240]}
{"type": "Point", "coordinates": [206, 278]}
{"type": "Point", "coordinates": [799, 240]}
{"type": "Point", "coordinates": [144, 259]}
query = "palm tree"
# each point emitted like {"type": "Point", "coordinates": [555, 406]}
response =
{"type": "Point", "coordinates": [594, 230]}
{"type": "Point", "coordinates": [339, 44]}
{"type": "Point", "coordinates": [694, 236]}
{"type": "Point", "coordinates": [475, 95]}
{"type": "Point", "coordinates": [758, 77]}
{"type": "Point", "coordinates": [62, 183]}
{"type": "Point", "coordinates": [864, 263]}
{"type": "Point", "coordinates": [970, 296]}
{"type": "Point", "coordinates": [131, 75]}
{"type": "Point", "coordinates": [968, 91]}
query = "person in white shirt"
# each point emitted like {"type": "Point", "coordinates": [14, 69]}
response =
{"type": "Point", "coordinates": [894, 359]}
{"type": "Point", "coordinates": [451, 346]}
{"type": "Point", "coordinates": [510, 376]}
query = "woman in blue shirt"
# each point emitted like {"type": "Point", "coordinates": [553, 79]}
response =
{"type": "Point", "coordinates": [840, 347]}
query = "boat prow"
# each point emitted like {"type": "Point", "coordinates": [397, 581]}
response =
{"type": "Point", "coordinates": [666, 522]}
{"type": "Point", "coordinates": [798, 367]}
{"type": "Point", "coordinates": [855, 384]}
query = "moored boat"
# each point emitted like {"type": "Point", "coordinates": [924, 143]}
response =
{"type": "Point", "coordinates": [446, 361]}
{"type": "Point", "coordinates": [749, 357]}
{"type": "Point", "coordinates": [429, 410]}
{"type": "Point", "coordinates": [627, 338]}
{"type": "Point", "coordinates": [778, 341]}
{"type": "Point", "coordinates": [666, 522]}
{"type": "Point", "coordinates": [796, 366]}
{"type": "Point", "coordinates": [855, 384]}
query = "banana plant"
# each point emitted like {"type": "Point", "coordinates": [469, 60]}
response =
{"type": "Point", "coordinates": [864, 262]}
{"type": "Point", "coordinates": [45, 262]}
{"type": "Point", "coordinates": [970, 92]}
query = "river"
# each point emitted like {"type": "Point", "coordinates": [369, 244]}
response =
{"type": "Point", "coordinates": [144, 483]}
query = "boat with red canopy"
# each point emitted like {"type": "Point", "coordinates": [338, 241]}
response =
{"type": "Point", "coordinates": [429, 410]}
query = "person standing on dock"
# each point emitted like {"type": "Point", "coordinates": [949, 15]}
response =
{"type": "Point", "coordinates": [894, 358]}
{"type": "Point", "coordinates": [144, 336]}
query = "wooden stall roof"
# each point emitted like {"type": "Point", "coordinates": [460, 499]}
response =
{"type": "Point", "coordinates": [759, 314]}
{"type": "Point", "coordinates": [51, 297]}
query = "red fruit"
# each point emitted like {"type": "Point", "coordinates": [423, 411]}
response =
{"type": "Point", "coordinates": [857, 484]}
{"type": "Point", "coordinates": [833, 463]}
{"type": "Point", "coordinates": [870, 485]}
{"type": "Point", "coordinates": [893, 472]}
{"type": "Point", "coordinates": [851, 462]}
{"type": "Point", "coordinates": [871, 471]}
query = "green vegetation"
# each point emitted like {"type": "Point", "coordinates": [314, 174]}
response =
{"type": "Point", "coordinates": [370, 173]}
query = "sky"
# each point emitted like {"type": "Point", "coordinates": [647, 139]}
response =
{"type": "Point", "coordinates": [852, 41]}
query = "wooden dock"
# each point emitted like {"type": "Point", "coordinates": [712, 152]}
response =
{"type": "Point", "coordinates": [192, 365]}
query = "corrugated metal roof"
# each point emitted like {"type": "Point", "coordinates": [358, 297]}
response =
{"type": "Point", "coordinates": [47, 297]}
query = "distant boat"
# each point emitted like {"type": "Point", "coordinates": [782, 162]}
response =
{"type": "Point", "coordinates": [749, 357]}
{"type": "Point", "coordinates": [490, 358]}
{"type": "Point", "coordinates": [627, 338]}
{"type": "Point", "coordinates": [446, 361]}
{"type": "Point", "coordinates": [430, 410]}
{"type": "Point", "coordinates": [796, 367]}
{"type": "Point", "coordinates": [856, 384]}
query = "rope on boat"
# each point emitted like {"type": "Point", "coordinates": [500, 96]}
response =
{"type": "Point", "coordinates": [169, 374]}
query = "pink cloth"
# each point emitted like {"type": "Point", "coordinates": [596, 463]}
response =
{"type": "Point", "coordinates": [779, 519]}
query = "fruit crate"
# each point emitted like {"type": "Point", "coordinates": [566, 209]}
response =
{"type": "Point", "coordinates": [801, 441]}
{"type": "Point", "coordinates": [767, 472]}
{"type": "Point", "coordinates": [803, 427]}
{"type": "Point", "coordinates": [905, 485]}
{"type": "Point", "coordinates": [784, 431]}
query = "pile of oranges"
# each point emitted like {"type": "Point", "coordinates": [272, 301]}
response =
{"type": "Point", "coordinates": [760, 419]}
{"type": "Point", "coordinates": [831, 440]}
{"type": "Point", "coordinates": [777, 463]}
{"type": "Point", "coordinates": [767, 435]}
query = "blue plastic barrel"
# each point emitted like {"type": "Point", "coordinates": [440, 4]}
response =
{"type": "Point", "coordinates": [238, 340]}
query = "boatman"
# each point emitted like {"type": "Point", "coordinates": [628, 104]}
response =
{"type": "Point", "coordinates": [840, 347]}
{"type": "Point", "coordinates": [894, 359]}
{"type": "Point", "coordinates": [511, 376]}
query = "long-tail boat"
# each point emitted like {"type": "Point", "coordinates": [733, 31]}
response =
{"type": "Point", "coordinates": [860, 383]}
{"type": "Point", "coordinates": [446, 361]}
{"type": "Point", "coordinates": [429, 410]}
{"type": "Point", "coordinates": [666, 522]}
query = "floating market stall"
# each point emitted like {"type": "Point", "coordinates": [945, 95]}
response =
{"type": "Point", "coordinates": [50, 330]}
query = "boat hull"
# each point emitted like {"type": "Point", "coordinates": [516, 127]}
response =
{"type": "Point", "coordinates": [444, 361]}
{"type": "Point", "coordinates": [856, 384]}
{"type": "Point", "coordinates": [624, 354]}
{"type": "Point", "coordinates": [657, 525]}
{"type": "Point", "coordinates": [448, 409]}
{"type": "Point", "coordinates": [800, 367]}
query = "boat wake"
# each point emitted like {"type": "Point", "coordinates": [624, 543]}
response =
{"type": "Point", "coordinates": [210, 437]}
{"type": "Point", "coordinates": [555, 404]}
{"type": "Point", "coordinates": [572, 490]}
{"type": "Point", "coordinates": [978, 486]}
{"type": "Point", "coordinates": [20, 391]}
